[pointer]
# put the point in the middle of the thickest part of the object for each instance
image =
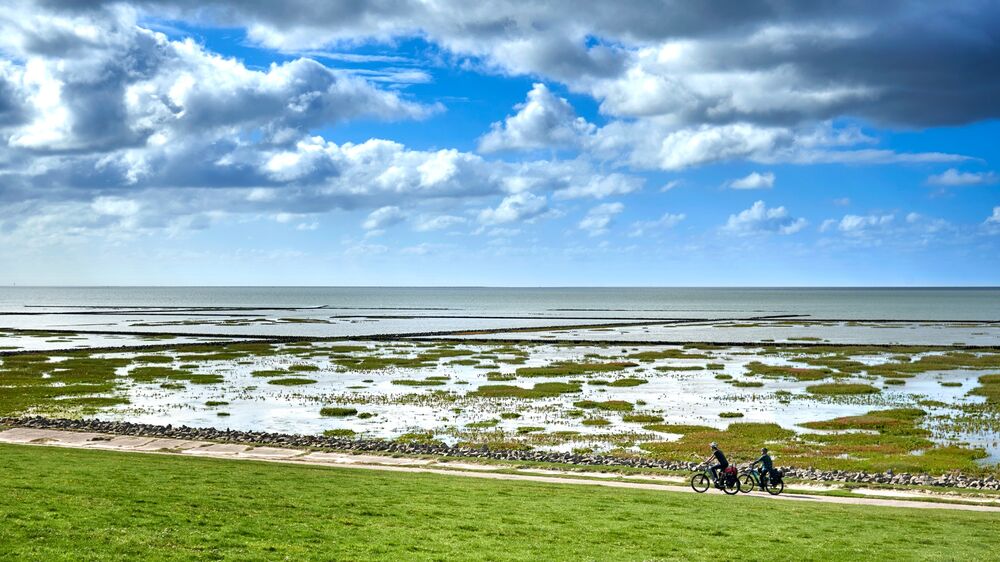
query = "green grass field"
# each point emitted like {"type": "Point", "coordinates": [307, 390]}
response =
{"type": "Point", "coordinates": [60, 504]}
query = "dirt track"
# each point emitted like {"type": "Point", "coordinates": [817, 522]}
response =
{"type": "Point", "coordinates": [73, 439]}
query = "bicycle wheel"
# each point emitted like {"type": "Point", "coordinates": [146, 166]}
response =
{"type": "Point", "coordinates": [731, 487]}
{"type": "Point", "coordinates": [700, 483]}
{"type": "Point", "coordinates": [746, 483]}
{"type": "Point", "coordinates": [775, 488]}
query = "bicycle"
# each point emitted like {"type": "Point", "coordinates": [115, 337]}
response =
{"type": "Point", "coordinates": [702, 481]}
{"type": "Point", "coordinates": [751, 477]}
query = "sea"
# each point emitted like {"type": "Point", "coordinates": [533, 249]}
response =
{"type": "Point", "coordinates": [973, 304]}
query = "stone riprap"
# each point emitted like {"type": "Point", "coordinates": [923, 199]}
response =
{"type": "Point", "coordinates": [950, 480]}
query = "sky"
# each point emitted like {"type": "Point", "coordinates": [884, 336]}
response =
{"type": "Point", "coordinates": [559, 143]}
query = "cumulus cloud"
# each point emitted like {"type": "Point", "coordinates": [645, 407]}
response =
{"type": "Point", "coordinates": [954, 177]}
{"type": "Point", "coordinates": [754, 180]}
{"type": "Point", "coordinates": [544, 121]}
{"type": "Point", "coordinates": [517, 207]}
{"type": "Point", "coordinates": [109, 124]}
{"type": "Point", "coordinates": [995, 217]}
{"type": "Point", "coordinates": [599, 187]}
{"type": "Point", "coordinates": [96, 82]}
{"type": "Point", "coordinates": [383, 217]}
{"type": "Point", "coordinates": [599, 218]}
{"type": "Point", "coordinates": [668, 220]}
{"type": "Point", "coordinates": [905, 63]}
{"type": "Point", "coordinates": [655, 143]}
{"type": "Point", "coordinates": [760, 219]}
{"type": "Point", "coordinates": [859, 225]}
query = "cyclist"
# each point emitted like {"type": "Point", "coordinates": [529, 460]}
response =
{"type": "Point", "coordinates": [720, 463]}
{"type": "Point", "coordinates": [766, 465]}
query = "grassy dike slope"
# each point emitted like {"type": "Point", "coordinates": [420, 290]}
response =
{"type": "Point", "coordinates": [61, 504]}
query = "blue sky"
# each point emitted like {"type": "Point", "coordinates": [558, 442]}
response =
{"type": "Point", "coordinates": [400, 143]}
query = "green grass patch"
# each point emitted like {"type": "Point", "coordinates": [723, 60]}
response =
{"type": "Point", "coordinates": [337, 412]}
{"type": "Point", "coordinates": [570, 368]}
{"type": "Point", "coordinates": [842, 389]}
{"type": "Point", "coordinates": [680, 429]}
{"type": "Point", "coordinates": [344, 432]}
{"type": "Point", "coordinates": [627, 382]}
{"type": "Point", "coordinates": [642, 418]}
{"type": "Point", "coordinates": [418, 382]}
{"type": "Point", "coordinates": [783, 371]}
{"type": "Point", "coordinates": [989, 388]}
{"type": "Point", "coordinates": [292, 381]}
{"type": "Point", "coordinates": [607, 405]}
{"type": "Point", "coordinates": [153, 359]}
{"type": "Point", "coordinates": [540, 390]}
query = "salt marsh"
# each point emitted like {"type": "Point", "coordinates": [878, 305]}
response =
{"type": "Point", "coordinates": [632, 399]}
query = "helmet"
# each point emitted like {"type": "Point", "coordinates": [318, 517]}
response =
{"type": "Point", "coordinates": [763, 450]}
{"type": "Point", "coordinates": [714, 445]}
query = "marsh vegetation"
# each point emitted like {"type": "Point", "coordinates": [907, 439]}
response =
{"type": "Point", "coordinates": [860, 407]}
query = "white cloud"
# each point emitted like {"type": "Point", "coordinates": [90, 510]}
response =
{"type": "Point", "coordinates": [656, 143]}
{"type": "Point", "coordinates": [698, 63]}
{"type": "Point", "coordinates": [97, 82]}
{"type": "Point", "coordinates": [759, 219]}
{"type": "Point", "coordinates": [862, 225]}
{"type": "Point", "coordinates": [670, 185]}
{"type": "Point", "coordinates": [599, 218]}
{"type": "Point", "coordinates": [383, 217]}
{"type": "Point", "coordinates": [115, 206]}
{"type": "Point", "coordinates": [517, 207]}
{"type": "Point", "coordinates": [668, 220]}
{"type": "Point", "coordinates": [599, 187]}
{"type": "Point", "coordinates": [438, 222]}
{"type": "Point", "coordinates": [544, 121]}
{"type": "Point", "coordinates": [953, 177]}
{"type": "Point", "coordinates": [995, 217]}
{"type": "Point", "coordinates": [753, 181]}
{"type": "Point", "coordinates": [112, 127]}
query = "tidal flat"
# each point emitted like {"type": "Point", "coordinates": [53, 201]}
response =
{"type": "Point", "coordinates": [912, 408]}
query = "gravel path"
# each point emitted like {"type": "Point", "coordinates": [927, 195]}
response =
{"type": "Point", "coordinates": [89, 440]}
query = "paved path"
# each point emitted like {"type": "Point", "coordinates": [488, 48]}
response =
{"type": "Point", "coordinates": [85, 440]}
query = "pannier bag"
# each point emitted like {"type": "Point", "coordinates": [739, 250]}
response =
{"type": "Point", "coordinates": [731, 474]}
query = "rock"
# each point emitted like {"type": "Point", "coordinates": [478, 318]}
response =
{"type": "Point", "coordinates": [372, 445]}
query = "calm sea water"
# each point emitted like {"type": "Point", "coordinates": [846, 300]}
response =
{"type": "Point", "coordinates": [855, 303]}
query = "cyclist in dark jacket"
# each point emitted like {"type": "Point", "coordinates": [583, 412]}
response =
{"type": "Point", "coordinates": [766, 464]}
{"type": "Point", "coordinates": [720, 462]}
